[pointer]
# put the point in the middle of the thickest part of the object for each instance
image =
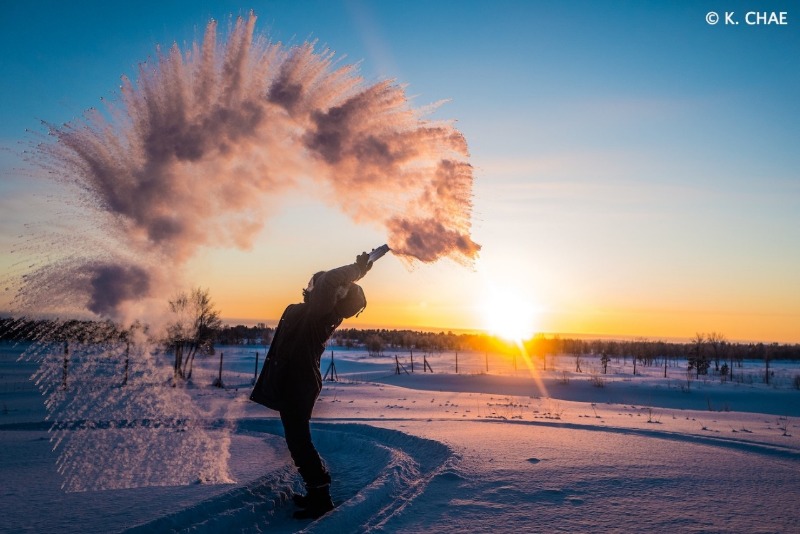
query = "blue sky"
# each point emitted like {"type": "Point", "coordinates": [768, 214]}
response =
{"type": "Point", "coordinates": [636, 167]}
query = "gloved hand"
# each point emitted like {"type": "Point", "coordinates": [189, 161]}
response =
{"type": "Point", "coordinates": [363, 263]}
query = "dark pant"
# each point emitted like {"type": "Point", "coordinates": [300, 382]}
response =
{"type": "Point", "coordinates": [297, 430]}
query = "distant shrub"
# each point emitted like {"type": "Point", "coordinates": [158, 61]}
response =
{"type": "Point", "coordinates": [597, 381]}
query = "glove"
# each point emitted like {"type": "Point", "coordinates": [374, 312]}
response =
{"type": "Point", "coordinates": [363, 263]}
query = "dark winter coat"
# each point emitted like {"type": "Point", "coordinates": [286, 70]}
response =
{"type": "Point", "coordinates": [290, 378]}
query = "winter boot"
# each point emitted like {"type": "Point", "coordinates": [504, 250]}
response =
{"type": "Point", "coordinates": [316, 504]}
{"type": "Point", "coordinates": [300, 500]}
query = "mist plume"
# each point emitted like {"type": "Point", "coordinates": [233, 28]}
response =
{"type": "Point", "coordinates": [194, 151]}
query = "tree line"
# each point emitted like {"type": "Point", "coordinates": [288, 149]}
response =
{"type": "Point", "coordinates": [244, 335]}
{"type": "Point", "coordinates": [84, 331]}
{"type": "Point", "coordinates": [702, 352]}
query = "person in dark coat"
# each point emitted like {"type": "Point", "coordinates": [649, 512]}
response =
{"type": "Point", "coordinates": [290, 380]}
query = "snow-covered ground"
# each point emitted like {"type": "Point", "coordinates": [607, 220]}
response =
{"type": "Point", "coordinates": [505, 451]}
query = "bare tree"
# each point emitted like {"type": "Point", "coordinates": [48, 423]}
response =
{"type": "Point", "coordinates": [604, 359]}
{"type": "Point", "coordinates": [196, 320]}
{"type": "Point", "coordinates": [717, 343]}
{"type": "Point", "coordinates": [697, 357]}
{"type": "Point", "coordinates": [539, 347]}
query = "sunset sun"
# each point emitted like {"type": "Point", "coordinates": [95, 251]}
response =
{"type": "Point", "coordinates": [509, 315]}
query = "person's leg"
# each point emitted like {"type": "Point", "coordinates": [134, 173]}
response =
{"type": "Point", "coordinates": [297, 430]}
{"type": "Point", "coordinates": [317, 502]}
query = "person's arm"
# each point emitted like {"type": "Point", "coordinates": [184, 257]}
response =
{"type": "Point", "coordinates": [323, 297]}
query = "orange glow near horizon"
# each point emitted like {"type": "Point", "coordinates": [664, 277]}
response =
{"type": "Point", "coordinates": [256, 286]}
{"type": "Point", "coordinates": [656, 326]}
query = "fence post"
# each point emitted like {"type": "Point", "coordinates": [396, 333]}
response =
{"type": "Point", "coordinates": [127, 362]}
{"type": "Point", "coordinates": [456, 362]}
{"type": "Point", "coordinates": [218, 382]}
{"type": "Point", "coordinates": [412, 360]}
{"type": "Point", "coordinates": [486, 356]}
{"type": "Point", "coordinates": [66, 363]}
{"type": "Point", "coordinates": [398, 366]}
{"type": "Point", "coordinates": [255, 372]}
{"type": "Point", "coordinates": [332, 371]}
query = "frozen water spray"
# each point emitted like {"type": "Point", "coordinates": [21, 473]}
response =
{"type": "Point", "coordinates": [191, 154]}
{"type": "Point", "coordinates": [209, 138]}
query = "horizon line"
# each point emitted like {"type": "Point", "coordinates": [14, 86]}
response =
{"type": "Point", "coordinates": [234, 321]}
{"type": "Point", "coordinates": [566, 335]}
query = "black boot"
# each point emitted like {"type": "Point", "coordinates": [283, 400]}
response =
{"type": "Point", "coordinates": [300, 500]}
{"type": "Point", "coordinates": [316, 504]}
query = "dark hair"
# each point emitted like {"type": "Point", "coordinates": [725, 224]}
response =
{"type": "Point", "coordinates": [306, 292]}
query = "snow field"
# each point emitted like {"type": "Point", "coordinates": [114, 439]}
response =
{"type": "Point", "coordinates": [433, 452]}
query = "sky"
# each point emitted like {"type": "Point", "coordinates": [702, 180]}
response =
{"type": "Point", "coordinates": [636, 168]}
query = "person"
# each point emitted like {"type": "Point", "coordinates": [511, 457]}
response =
{"type": "Point", "coordinates": [290, 380]}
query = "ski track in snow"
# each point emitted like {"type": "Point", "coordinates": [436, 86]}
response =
{"type": "Point", "coordinates": [409, 463]}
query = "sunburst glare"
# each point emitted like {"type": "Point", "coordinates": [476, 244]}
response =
{"type": "Point", "coordinates": [508, 315]}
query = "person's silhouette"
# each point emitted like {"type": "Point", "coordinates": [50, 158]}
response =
{"type": "Point", "coordinates": [290, 380]}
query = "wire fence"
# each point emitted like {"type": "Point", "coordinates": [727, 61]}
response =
{"type": "Point", "coordinates": [98, 366]}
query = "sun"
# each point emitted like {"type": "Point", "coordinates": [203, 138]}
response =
{"type": "Point", "coordinates": [509, 315]}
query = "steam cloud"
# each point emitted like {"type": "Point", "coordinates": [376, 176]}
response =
{"type": "Point", "coordinates": [193, 153]}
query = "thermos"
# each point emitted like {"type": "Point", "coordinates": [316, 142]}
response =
{"type": "Point", "coordinates": [378, 253]}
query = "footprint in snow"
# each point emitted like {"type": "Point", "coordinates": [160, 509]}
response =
{"type": "Point", "coordinates": [534, 460]}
